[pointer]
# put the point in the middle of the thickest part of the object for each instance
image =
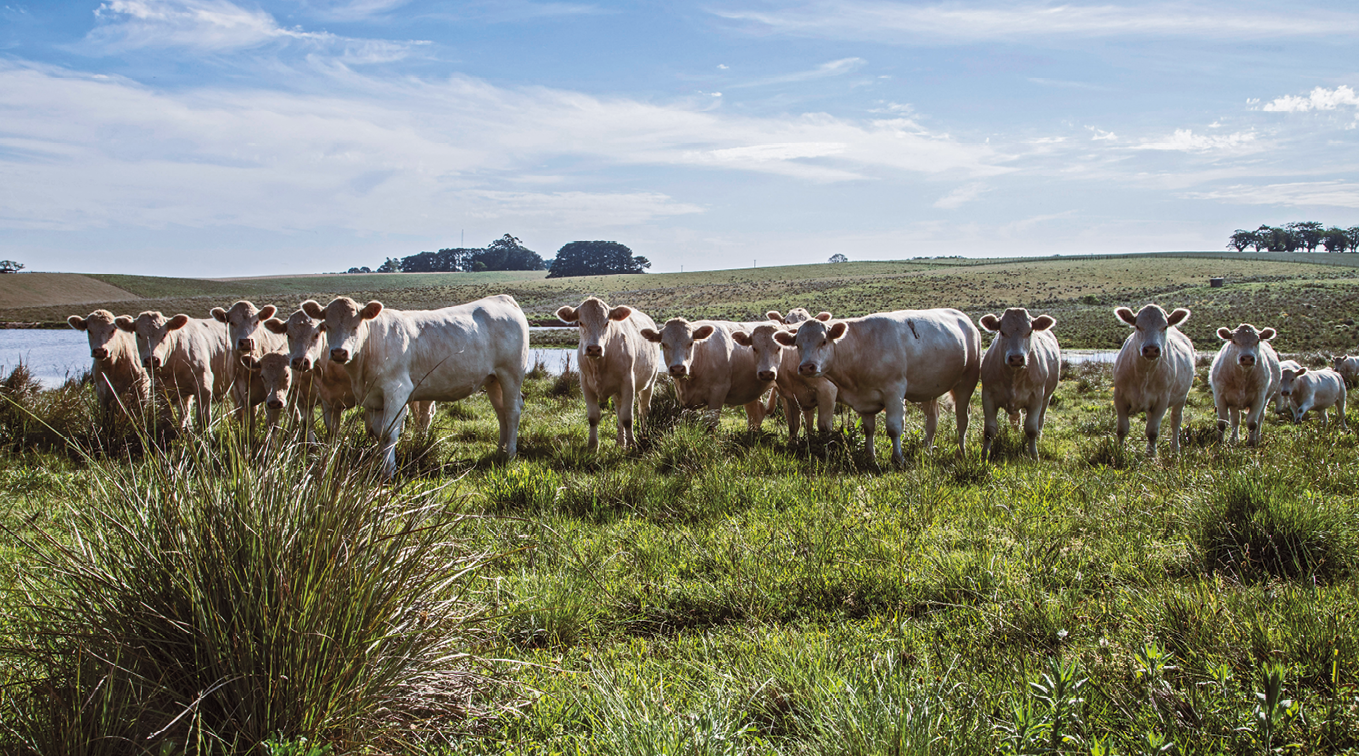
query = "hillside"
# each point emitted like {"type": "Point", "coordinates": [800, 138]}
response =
{"type": "Point", "coordinates": [1311, 299]}
{"type": "Point", "coordinates": [45, 289]}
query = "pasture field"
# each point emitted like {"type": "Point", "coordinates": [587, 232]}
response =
{"type": "Point", "coordinates": [722, 592]}
{"type": "Point", "coordinates": [1314, 306]}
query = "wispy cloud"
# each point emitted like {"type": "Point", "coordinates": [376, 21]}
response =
{"type": "Point", "coordinates": [1185, 140]}
{"type": "Point", "coordinates": [961, 196]}
{"type": "Point", "coordinates": [1319, 193]}
{"type": "Point", "coordinates": [1319, 99]}
{"type": "Point", "coordinates": [953, 22]}
{"type": "Point", "coordinates": [823, 71]}
{"type": "Point", "coordinates": [1061, 84]}
{"type": "Point", "coordinates": [570, 208]}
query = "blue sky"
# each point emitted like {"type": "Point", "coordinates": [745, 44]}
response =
{"type": "Point", "coordinates": [232, 138]}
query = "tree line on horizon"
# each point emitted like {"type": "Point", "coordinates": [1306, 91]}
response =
{"type": "Point", "coordinates": [1291, 237]}
{"type": "Point", "coordinates": [578, 258]}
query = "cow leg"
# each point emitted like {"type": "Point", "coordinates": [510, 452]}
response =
{"type": "Point", "coordinates": [755, 414]}
{"type": "Point", "coordinates": [896, 421]}
{"type": "Point", "coordinates": [870, 422]}
{"type": "Point", "coordinates": [389, 421]}
{"type": "Point", "coordinates": [792, 414]}
{"type": "Point", "coordinates": [990, 426]}
{"type": "Point", "coordinates": [626, 398]}
{"type": "Point", "coordinates": [931, 410]}
{"type": "Point", "coordinates": [1235, 414]}
{"type": "Point", "coordinates": [1254, 419]}
{"type": "Point", "coordinates": [331, 421]}
{"type": "Point", "coordinates": [505, 392]}
{"type": "Point", "coordinates": [962, 401]}
{"type": "Point", "coordinates": [644, 405]}
{"type": "Point", "coordinates": [1340, 410]}
{"type": "Point", "coordinates": [825, 410]}
{"type": "Point", "coordinates": [1121, 408]}
{"type": "Point", "coordinates": [1154, 416]}
{"type": "Point", "coordinates": [1033, 426]}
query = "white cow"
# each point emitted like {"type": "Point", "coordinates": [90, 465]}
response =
{"type": "Point", "coordinates": [794, 317]}
{"type": "Point", "coordinates": [880, 361]}
{"type": "Point", "coordinates": [1245, 373]}
{"type": "Point", "coordinates": [116, 370]}
{"type": "Point", "coordinates": [1019, 372]}
{"type": "Point", "coordinates": [1280, 401]}
{"type": "Point", "coordinates": [250, 342]}
{"type": "Point", "coordinates": [1314, 390]}
{"type": "Point", "coordinates": [616, 361]}
{"type": "Point", "coordinates": [1347, 367]}
{"type": "Point", "coordinates": [287, 389]}
{"type": "Point", "coordinates": [1153, 372]}
{"type": "Point", "coordinates": [801, 394]}
{"type": "Point", "coordinates": [187, 358]}
{"type": "Point", "coordinates": [709, 368]}
{"type": "Point", "coordinates": [394, 357]}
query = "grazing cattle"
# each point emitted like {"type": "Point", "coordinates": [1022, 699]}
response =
{"type": "Point", "coordinates": [795, 316]}
{"type": "Point", "coordinates": [1245, 373]}
{"type": "Point", "coordinates": [1314, 390]}
{"type": "Point", "coordinates": [801, 394]}
{"type": "Point", "coordinates": [1153, 372]}
{"type": "Point", "coordinates": [284, 389]}
{"type": "Point", "coordinates": [186, 357]}
{"type": "Point", "coordinates": [879, 362]}
{"type": "Point", "coordinates": [616, 361]}
{"type": "Point", "coordinates": [116, 370]}
{"type": "Point", "coordinates": [710, 369]}
{"type": "Point", "coordinates": [250, 342]}
{"type": "Point", "coordinates": [1280, 401]}
{"type": "Point", "coordinates": [394, 357]}
{"type": "Point", "coordinates": [1347, 367]}
{"type": "Point", "coordinates": [1019, 372]}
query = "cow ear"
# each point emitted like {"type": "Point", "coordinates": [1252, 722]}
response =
{"type": "Point", "coordinates": [989, 323]}
{"type": "Point", "coordinates": [178, 322]}
{"type": "Point", "coordinates": [621, 312]}
{"type": "Point", "coordinates": [77, 322]}
{"type": "Point", "coordinates": [786, 338]}
{"type": "Point", "coordinates": [314, 309]}
{"type": "Point", "coordinates": [742, 338]}
{"type": "Point", "coordinates": [703, 332]}
{"type": "Point", "coordinates": [823, 316]}
{"type": "Point", "coordinates": [567, 314]}
{"type": "Point", "coordinates": [1177, 317]}
{"type": "Point", "coordinates": [276, 325]}
{"type": "Point", "coordinates": [650, 334]}
{"type": "Point", "coordinates": [1126, 315]}
{"type": "Point", "coordinates": [125, 323]}
{"type": "Point", "coordinates": [219, 314]}
{"type": "Point", "coordinates": [1043, 322]}
{"type": "Point", "coordinates": [837, 331]}
{"type": "Point", "coordinates": [321, 328]}
{"type": "Point", "coordinates": [1224, 333]}
{"type": "Point", "coordinates": [1268, 334]}
{"type": "Point", "coordinates": [266, 312]}
{"type": "Point", "coordinates": [774, 316]}
{"type": "Point", "coordinates": [1300, 370]}
{"type": "Point", "coordinates": [371, 310]}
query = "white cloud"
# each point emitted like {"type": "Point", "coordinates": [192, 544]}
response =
{"type": "Point", "coordinates": [1185, 140]}
{"type": "Point", "coordinates": [1308, 193]}
{"type": "Point", "coordinates": [823, 71]}
{"type": "Point", "coordinates": [952, 22]}
{"type": "Point", "coordinates": [1319, 99]}
{"type": "Point", "coordinates": [1100, 135]}
{"type": "Point", "coordinates": [580, 209]}
{"type": "Point", "coordinates": [961, 196]}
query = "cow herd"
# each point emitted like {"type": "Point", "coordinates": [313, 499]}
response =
{"type": "Point", "coordinates": [391, 363]}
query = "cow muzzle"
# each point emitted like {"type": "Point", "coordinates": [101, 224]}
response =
{"type": "Point", "coordinates": [301, 364]}
{"type": "Point", "coordinates": [1017, 360]}
{"type": "Point", "coordinates": [1151, 352]}
{"type": "Point", "coordinates": [594, 351]}
{"type": "Point", "coordinates": [679, 371]}
{"type": "Point", "coordinates": [245, 345]}
{"type": "Point", "coordinates": [807, 368]}
{"type": "Point", "coordinates": [339, 355]}
{"type": "Point", "coordinates": [766, 375]}
{"type": "Point", "coordinates": [1247, 360]}
{"type": "Point", "coordinates": [151, 362]}
{"type": "Point", "coordinates": [100, 353]}
{"type": "Point", "coordinates": [274, 403]}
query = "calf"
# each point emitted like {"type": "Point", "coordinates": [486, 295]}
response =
{"type": "Point", "coordinates": [1153, 372]}
{"type": "Point", "coordinates": [116, 370]}
{"type": "Point", "coordinates": [1347, 367]}
{"type": "Point", "coordinates": [1313, 390]}
{"type": "Point", "coordinates": [710, 369]}
{"type": "Point", "coordinates": [1280, 401]}
{"type": "Point", "coordinates": [879, 362]}
{"type": "Point", "coordinates": [795, 316]}
{"type": "Point", "coordinates": [616, 361]}
{"type": "Point", "coordinates": [1244, 374]}
{"type": "Point", "coordinates": [186, 357]}
{"type": "Point", "coordinates": [250, 342]}
{"type": "Point", "coordinates": [394, 357]}
{"type": "Point", "coordinates": [801, 394]}
{"type": "Point", "coordinates": [1019, 372]}
{"type": "Point", "coordinates": [284, 389]}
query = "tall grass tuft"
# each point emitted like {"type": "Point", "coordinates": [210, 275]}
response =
{"type": "Point", "coordinates": [218, 596]}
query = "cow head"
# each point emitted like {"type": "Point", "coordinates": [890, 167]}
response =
{"type": "Point", "coordinates": [346, 324]}
{"type": "Point", "coordinates": [677, 338]}
{"type": "Point", "coordinates": [594, 318]}
{"type": "Point", "coordinates": [101, 328]}
{"type": "Point", "coordinates": [768, 352]}
{"type": "Point", "coordinates": [1338, 361]}
{"type": "Point", "coordinates": [1288, 378]}
{"type": "Point", "coordinates": [815, 342]}
{"type": "Point", "coordinates": [277, 377]}
{"type": "Point", "coordinates": [794, 316]}
{"type": "Point", "coordinates": [1014, 331]}
{"type": "Point", "coordinates": [151, 329]}
{"type": "Point", "coordinates": [304, 337]}
{"type": "Point", "coordinates": [1247, 341]}
{"type": "Point", "coordinates": [1151, 324]}
{"type": "Point", "coordinates": [242, 321]}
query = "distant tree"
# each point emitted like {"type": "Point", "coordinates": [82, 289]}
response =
{"type": "Point", "coordinates": [478, 266]}
{"type": "Point", "coordinates": [1277, 239]}
{"type": "Point", "coordinates": [443, 261]}
{"type": "Point", "coordinates": [596, 258]}
{"type": "Point", "coordinates": [1352, 233]}
{"type": "Point", "coordinates": [390, 265]}
{"type": "Point", "coordinates": [837, 258]}
{"type": "Point", "coordinates": [508, 253]}
{"type": "Point", "coordinates": [1241, 238]}
{"type": "Point", "coordinates": [1307, 233]}
{"type": "Point", "coordinates": [1335, 239]}
{"type": "Point", "coordinates": [9, 266]}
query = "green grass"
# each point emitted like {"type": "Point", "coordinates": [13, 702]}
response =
{"type": "Point", "coordinates": [723, 592]}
